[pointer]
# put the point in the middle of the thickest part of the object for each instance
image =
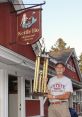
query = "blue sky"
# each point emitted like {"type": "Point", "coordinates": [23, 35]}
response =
{"type": "Point", "coordinates": [62, 19]}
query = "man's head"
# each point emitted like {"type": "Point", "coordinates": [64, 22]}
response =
{"type": "Point", "coordinates": [59, 68]}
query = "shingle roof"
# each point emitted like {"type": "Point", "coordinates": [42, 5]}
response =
{"type": "Point", "coordinates": [62, 55]}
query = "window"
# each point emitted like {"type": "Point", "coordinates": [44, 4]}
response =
{"type": "Point", "coordinates": [27, 88]}
{"type": "Point", "coordinates": [77, 101]}
{"type": "Point", "coordinates": [12, 84]}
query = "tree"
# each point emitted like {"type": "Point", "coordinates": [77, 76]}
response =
{"type": "Point", "coordinates": [80, 62]}
{"type": "Point", "coordinates": [60, 45]}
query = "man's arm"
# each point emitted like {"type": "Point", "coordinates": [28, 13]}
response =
{"type": "Point", "coordinates": [59, 97]}
{"type": "Point", "coordinates": [63, 96]}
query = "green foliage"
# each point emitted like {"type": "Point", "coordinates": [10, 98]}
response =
{"type": "Point", "coordinates": [80, 62]}
{"type": "Point", "coordinates": [60, 45]}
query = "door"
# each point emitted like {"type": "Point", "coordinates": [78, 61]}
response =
{"type": "Point", "coordinates": [14, 96]}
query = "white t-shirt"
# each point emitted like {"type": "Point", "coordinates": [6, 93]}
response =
{"type": "Point", "coordinates": [59, 86]}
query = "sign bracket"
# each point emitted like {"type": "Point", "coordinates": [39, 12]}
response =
{"type": "Point", "coordinates": [33, 6]}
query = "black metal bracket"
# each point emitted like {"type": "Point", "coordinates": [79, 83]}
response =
{"type": "Point", "coordinates": [33, 6]}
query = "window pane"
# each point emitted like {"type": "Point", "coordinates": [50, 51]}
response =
{"type": "Point", "coordinates": [27, 88]}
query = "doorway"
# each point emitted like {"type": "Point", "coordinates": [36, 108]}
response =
{"type": "Point", "coordinates": [13, 96]}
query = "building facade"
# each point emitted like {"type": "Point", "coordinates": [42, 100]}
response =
{"type": "Point", "coordinates": [17, 63]}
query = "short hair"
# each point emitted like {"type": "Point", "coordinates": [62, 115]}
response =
{"type": "Point", "coordinates": [60, 62]}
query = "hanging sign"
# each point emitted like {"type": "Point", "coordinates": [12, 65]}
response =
{"type": "Point", "coordinates": [29, 26]}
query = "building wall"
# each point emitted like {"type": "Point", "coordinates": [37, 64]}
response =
{"type": "Point", "coordinates": [32, 107]}
{"type": "Point", "coordinates": [8, 32]}
{"type": "Point", "coordinates": [71, 70]}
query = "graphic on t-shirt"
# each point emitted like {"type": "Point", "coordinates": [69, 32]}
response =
{"type": "Point", "coordinates": [57, 87]}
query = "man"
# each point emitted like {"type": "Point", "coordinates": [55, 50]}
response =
{"type": "Point", "coordinates": [59, 91]}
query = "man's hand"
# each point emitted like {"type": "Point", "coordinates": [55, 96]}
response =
{"type": "Point", "coordinates": [50, 96]}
